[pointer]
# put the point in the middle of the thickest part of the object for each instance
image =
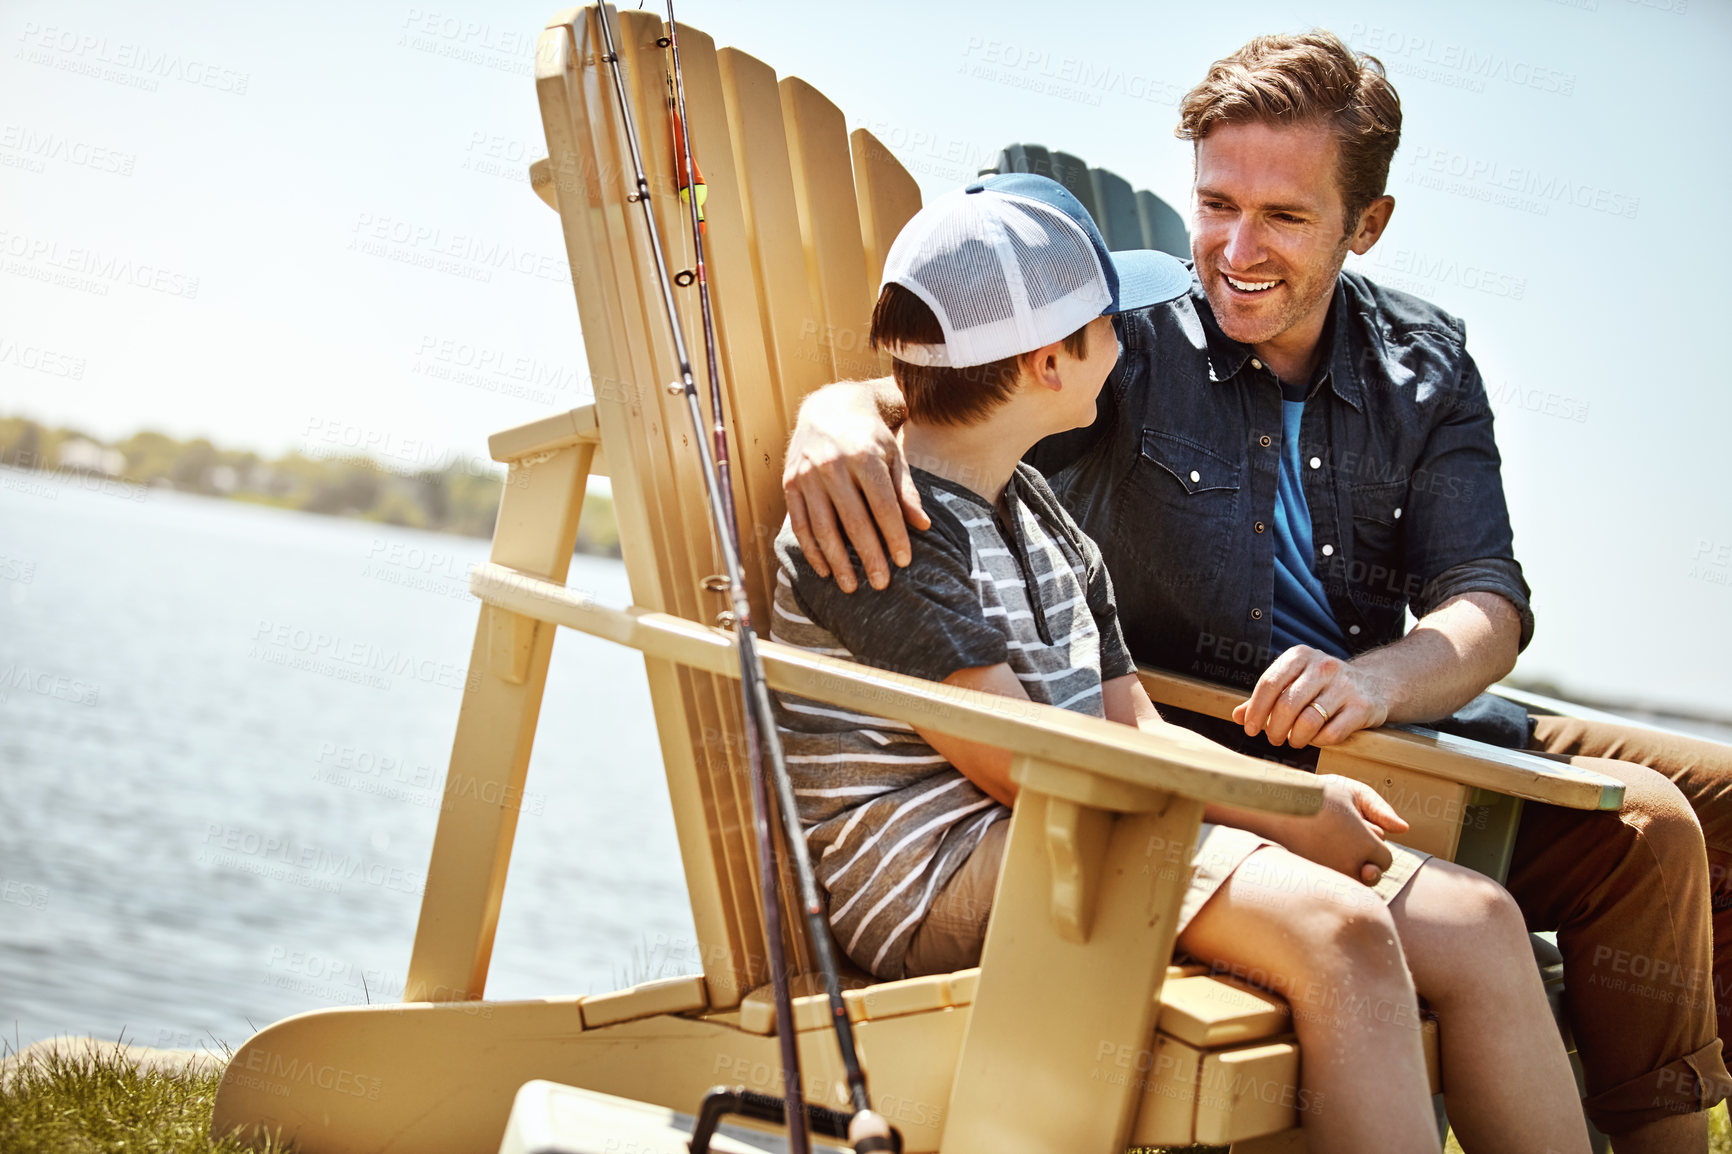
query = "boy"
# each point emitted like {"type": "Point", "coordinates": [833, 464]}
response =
{"type": "Point", "coordinates": [996, 306]}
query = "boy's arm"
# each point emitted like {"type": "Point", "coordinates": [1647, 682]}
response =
{"type": "Point", "coordinates": [986, 766]}
{"type": "Point", "coordinates": [1347, 834]}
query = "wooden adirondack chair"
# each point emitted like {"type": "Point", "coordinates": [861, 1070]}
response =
{"type": "Point", "coordinates": [1051, 1043]}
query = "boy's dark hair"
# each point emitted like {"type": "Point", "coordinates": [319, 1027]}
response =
{"type": "Point", "coordinates": [945, 396]}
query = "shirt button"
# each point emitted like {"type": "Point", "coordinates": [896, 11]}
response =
{"type": "Point", "coordinates": [1264, 440]}
{"type": "Point", "coordinates": [1398, 514]}
{"type": "Point", "coordinates": [1353, 629]}
{"type": "Point", "coordinates": [1196, 476]}
{"type": "Point", "coordinates": [1256, 615]}
{"type": "Point", "coordinates": [1255, 363]}
{"type": "Point", "coordinates": [1258, 527]}
{"type": "Point", "coordinates": [1317, 463]}
{"type": "Point", "coordinates": [1329, 550]}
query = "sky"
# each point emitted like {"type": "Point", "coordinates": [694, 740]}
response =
{"type": "Point", "coordinates": [267, 226]}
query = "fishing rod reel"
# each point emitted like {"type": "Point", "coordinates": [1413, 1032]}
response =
{"type": "Point", "coordinates": [866, 1131]}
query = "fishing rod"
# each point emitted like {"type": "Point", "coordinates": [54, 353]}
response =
{"type": "Point", "coordinates": [692, 191]}
{"type": "Point", "coordinates": [867, 1130]}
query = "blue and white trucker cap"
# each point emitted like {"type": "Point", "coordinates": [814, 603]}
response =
{"type": "Point", "coordinates": [1014, 262]}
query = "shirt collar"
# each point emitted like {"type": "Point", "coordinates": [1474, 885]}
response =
{"type": "Point", "coordinates": [1227, 357]}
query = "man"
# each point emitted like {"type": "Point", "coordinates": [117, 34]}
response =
{"type": "Point", "coordinates": [994, 309]}
{"type": "Point", "coordinates": [1282, 464]}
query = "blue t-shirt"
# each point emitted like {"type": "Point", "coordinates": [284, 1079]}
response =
{"type": "Point", "coordinates": [1301, 609]}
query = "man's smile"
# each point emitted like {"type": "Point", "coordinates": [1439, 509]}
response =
{"type": "Point", "coordinates": [1250, 286]}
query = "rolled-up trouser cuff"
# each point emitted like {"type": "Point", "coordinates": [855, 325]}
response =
{"type": "Point", "coordinates": [1692, 1083]}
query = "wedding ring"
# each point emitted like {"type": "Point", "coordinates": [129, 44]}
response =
{"type": "Point", "coordinates": [1322, 711]}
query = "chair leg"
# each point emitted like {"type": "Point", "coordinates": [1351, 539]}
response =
{"type": "Point", "coordinates": [536, 533]}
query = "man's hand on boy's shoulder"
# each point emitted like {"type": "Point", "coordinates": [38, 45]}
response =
{"type": "Point", "coordinates": [846, 482]}
{"type": "Point", "coordinates": [927, 622]}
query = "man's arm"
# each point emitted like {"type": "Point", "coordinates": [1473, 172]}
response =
{"type": "Point", "coordinates": [1458, 649]}
{"type": "Point", "coordinates": [1473, 607]}
{"type": "Point", "coordinates": [1346, 835]}
{"type": "Point", "coordinates": [844, 465]}
{"type": "Point", "coordinates": [847, 482]}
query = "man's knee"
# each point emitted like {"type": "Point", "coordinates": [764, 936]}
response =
{"type": "Point", "coordinates": [1660, 814]}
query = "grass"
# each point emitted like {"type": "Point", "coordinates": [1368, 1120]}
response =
{"type": "Point", "coordinates": [99, 1103]}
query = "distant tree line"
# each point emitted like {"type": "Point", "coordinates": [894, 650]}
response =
{"type": "Point", "coordinates": [454, 497]}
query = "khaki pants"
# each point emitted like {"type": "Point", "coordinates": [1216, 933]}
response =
{"type": "Point", "coordinates": [1641, 900]}
{"type": "Point", "coordinates": [950, 937]}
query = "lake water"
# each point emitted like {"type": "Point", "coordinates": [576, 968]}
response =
{"type": "Point", "coordinates": [224, 732]}
{"type": "Point", "coordinates": [223, 737]}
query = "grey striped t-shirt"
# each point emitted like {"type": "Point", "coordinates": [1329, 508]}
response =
{"type": "Point", "coordinates": [887, 819]}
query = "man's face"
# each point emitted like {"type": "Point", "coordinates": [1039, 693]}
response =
{"type": "Point", "coordinates": [1267, 236]}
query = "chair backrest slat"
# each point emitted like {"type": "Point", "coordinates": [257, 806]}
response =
{"type": "Point", "coordinates": [888, 196]}
{"type": "Point", "coordinates": [798, 359]}
{"type": "Point", "coordinates": [755, 418]}
{"type": "Point", "coordinates": [713, 724]}
{"type": "Point", "coordinates": [789, 264]}
{"type": "Point", "coordinates": [756, 427]}
{"type": "Point", "coordinates": [628, 349]}
{"type": "Point", "coordinates": [830, 227]}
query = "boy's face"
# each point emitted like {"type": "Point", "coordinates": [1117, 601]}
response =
{"type": "Point", "coordinates": [1083, 377]}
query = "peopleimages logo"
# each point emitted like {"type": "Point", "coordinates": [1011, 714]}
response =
{"type": "Point", "coordinates": [121, 62]}
{"type": "Point", "coordinates": [309, 866]}
{"type": "Point", "coordinates": [460, 254]}
{"type": "Point", "coordinates": [275, 1074]}
{"type": "Point", "coordinates": [492, 369]}
{"type": "Point", "coordinates": [22, 678]}
{"type": "Point", "coordinates": [1456, 65]}
{"type": "Point", "coordinates": [362, 662]}
{"type": "Point", "coordinates": [42, 259]}
{"type": "Point", "coordinates": [1413, 270]}
{"type": "Point", "coordinates": [1516, 186]}
{"type": "Point", "coordinates": [37, 359]}
{"type": "Point", "coordinates": [33, 150]}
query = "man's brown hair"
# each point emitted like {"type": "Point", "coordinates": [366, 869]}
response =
{"type": "Point", "coordinates": [1292, 79]}
{"type": "Point", "coordinates": [945, 396]}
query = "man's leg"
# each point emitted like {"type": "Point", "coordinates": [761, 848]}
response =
{"type": "Point", "coordinates": [1702, 771]}
{"type": "Point", "coordinates": [1628, 894]}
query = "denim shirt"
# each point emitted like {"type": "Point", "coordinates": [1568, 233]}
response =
{"type": "Point", "coordinates": [1176, 480]}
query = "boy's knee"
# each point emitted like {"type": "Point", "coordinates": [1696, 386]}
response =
{"type": "Point", "coordinates": [1358, 933]}
{"type": "Point", "coordinates": [1478, 900]}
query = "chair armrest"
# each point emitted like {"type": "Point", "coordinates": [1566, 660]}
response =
{"type": "Point", "coordinates": [546, 435]}
{"type": "Point", "coordinates": [541, 180]}
{"type": "Point", "coordinates": [1515, 772]}
{"type": "Point", "coordinates": [1086, 760]}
